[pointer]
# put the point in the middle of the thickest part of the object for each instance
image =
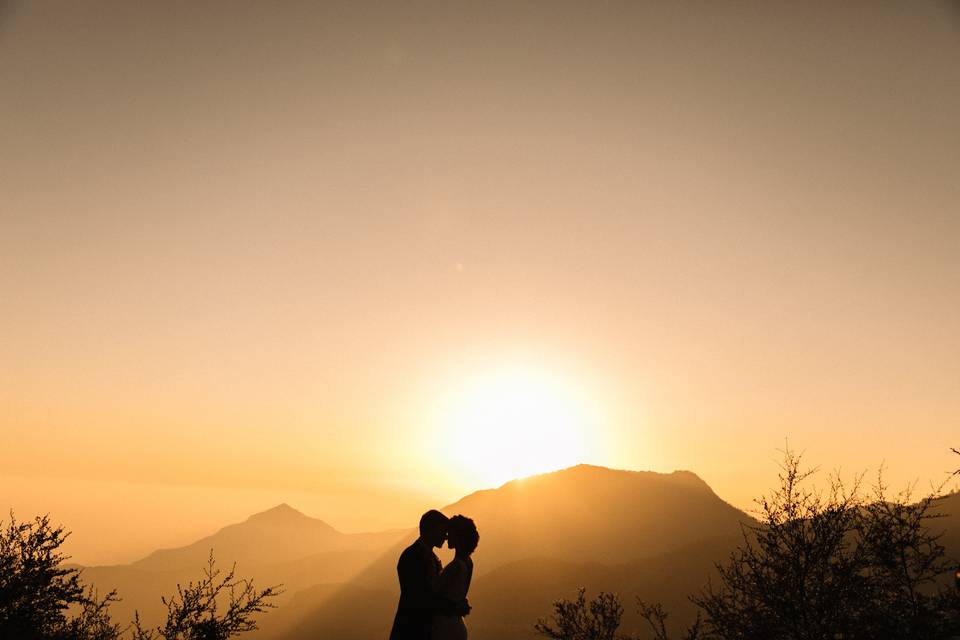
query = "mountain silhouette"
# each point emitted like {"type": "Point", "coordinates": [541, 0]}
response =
{"type": "Point", "coordinates": [257, 541]}
{"type": "Point", "coordinates": [584, 514]}
{"type": "Point", "coordinates": [656, 534]}
{"type": "Point", "coordinates": [652, 535]}
{"type": "Point", "coordinates": [279, 545]}
{"type": "Point", "coordinates": [595, 514]}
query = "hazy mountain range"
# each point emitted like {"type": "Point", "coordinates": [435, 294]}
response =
{"type": "Point", "coordinates": [644, 534]}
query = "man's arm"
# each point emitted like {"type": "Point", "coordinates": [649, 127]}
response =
{"type": "Point", "coordinates": [418, 580]}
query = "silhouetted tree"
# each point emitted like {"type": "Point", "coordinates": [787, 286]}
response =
{"type": "Point", "coordinates": [799, 573]}
{"type": "Point", "coordinates": [904, 561]}
{"type": "Point", "coordinates": [215, 608]}
{"type": "Point", "coordinates": [579, 620]}
{"type": "Point", "coordinates": [834, 566]}
{"type": "Point", "coordinates": [38, 595]}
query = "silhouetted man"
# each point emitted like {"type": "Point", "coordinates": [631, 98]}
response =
{"type": "Point", "coordinates": [418, 570]}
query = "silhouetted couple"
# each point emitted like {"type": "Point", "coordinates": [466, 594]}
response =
{"type": "Point", "coordinates": [433, 599]}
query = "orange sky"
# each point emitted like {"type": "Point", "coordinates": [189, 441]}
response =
{"type": "Point", "coordinates": [248, 254]}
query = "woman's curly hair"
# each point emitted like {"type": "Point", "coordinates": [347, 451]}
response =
{"type": "Point", "coordinates": [464, 531]}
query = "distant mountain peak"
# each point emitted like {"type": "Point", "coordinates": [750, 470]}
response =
{"type": "Point", "coordinates": [280, 514]}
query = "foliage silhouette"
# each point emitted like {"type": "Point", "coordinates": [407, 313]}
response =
{"type": "Point", "coordinates": [579, 620]}
{"type": "Point", "coordinates": [195, 612]}
{"type": "Point", "coordinates": [37, 592]}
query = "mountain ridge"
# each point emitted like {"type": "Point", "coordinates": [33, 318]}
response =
{"type": "Point", "coordinates": [639, 533]}
{"type": "Point", "coordinates": [589, 512]}
{"type": "Point", "coordinates": [581, 520]}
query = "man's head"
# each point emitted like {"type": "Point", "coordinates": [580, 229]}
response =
{"type": "Point", "coordinates": [433, 528]}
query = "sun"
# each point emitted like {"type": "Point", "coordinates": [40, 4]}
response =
{"type": "Point", "coordinates": [512, 423]}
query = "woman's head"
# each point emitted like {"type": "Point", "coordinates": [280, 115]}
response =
{"type": "Point", "coordinates": [462, 534]}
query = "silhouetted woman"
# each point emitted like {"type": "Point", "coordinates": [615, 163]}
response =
{"type": "Point", "coordinates": [462, 536]}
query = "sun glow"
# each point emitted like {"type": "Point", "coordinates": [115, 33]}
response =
{"type": "Point", "coordinates": [515, 423]}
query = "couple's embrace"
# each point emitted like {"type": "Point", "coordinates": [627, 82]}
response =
{"type": "Point", "coordinates": [433, 598]}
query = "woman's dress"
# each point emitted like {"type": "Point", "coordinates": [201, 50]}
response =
{"type": "Point", "coordinates": [453, 585]}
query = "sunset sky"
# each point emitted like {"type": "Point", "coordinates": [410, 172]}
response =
{"type": "Point", "coordinates": [367, 258]}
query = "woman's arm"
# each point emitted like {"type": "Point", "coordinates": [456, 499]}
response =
{"type": "Point", "coordinates": [449, 593]}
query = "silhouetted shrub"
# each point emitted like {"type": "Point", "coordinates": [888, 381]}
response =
{"type": "Point", "coordinates": [215, 608]}
{"type": "Point", "coordinates": [579, 620]}
{"type": "Point", "coordinates": [38, 595]}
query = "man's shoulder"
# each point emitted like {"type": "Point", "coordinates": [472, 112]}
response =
{"type": "Point", "coordinates": [415, 550]}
